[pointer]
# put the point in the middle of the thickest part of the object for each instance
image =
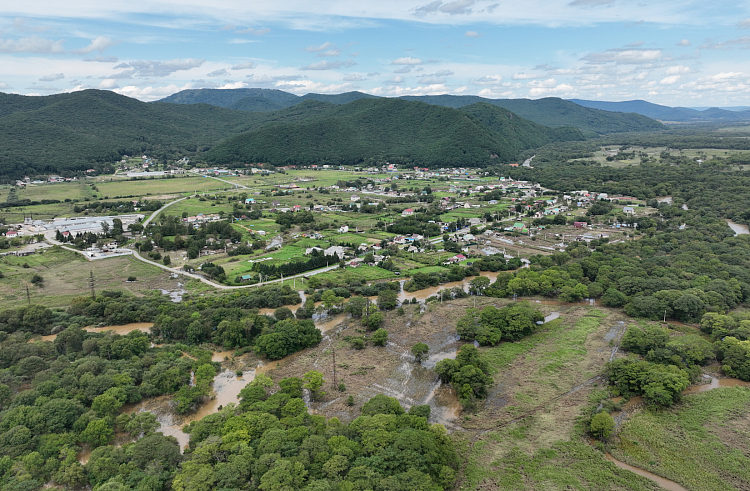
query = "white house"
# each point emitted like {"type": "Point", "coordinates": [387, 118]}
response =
{"type": "Point", "coordinates": [628, 210]}
{"type": "Point", "coordinates": [343, 229]}
{"type": "Point", "coordinates": [354, 197]}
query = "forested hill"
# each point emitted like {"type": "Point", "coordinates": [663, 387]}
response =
{"type": "Point", "coordinates": [551, 111]}
{"type": "Point", "coordinates": [372, 130]}
{"type": "Point", "coordinates": [666, 113]}
{"type": "Point", "coordinates": [68, 133]}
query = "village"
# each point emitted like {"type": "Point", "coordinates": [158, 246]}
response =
{"type": "Point", "coordinates": [357, 216]}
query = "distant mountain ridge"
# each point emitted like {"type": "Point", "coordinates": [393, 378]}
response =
{"type": "Point", "coordinates": [666, 113]}
{"type": "Point", "coordinates": [70, 133]}
{"type": "Point", "coordinates": [551, 111]}
{"type": "Point", "coordinates": [370, 130]}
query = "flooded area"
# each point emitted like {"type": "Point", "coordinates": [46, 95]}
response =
{"type": "Point", "coordinates": [738, 228]}
{"type": "Point", "coordinates": [122, 330]}
{"type": "Point", "coordinates": [422, 295]}
{"type": "Point", "coordinates": [620, 417]}
{"type": "Point", "coordinates": [226, 388]}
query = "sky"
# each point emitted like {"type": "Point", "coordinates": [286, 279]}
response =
{"type": "Point", "coordinates": [679, 53]}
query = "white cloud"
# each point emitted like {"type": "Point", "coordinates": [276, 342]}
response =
{"type": "Point", "coordinates": [684, 42]}
{"type": "Point", "coordinates": [670, 80]}
{"type": "Point", "coordinates": [523, 76]}
{"type": "Point", "coordinates": [4, 86]}
{"type": "Point", "coordinates": [590, 3]}
{"type": "Point", "coordinates": [218, 73]}
{"type": "Point", "coordinates": [373, 74]}
{"type": "Point", "coordinates": [109, 83]}
{"type": "Point", "coordinates": [550, 82]}
{"type": "Point", "coordinates": [150, 93]}
{"type": "Point", "coordinates": [52, 78]}
{"type": "Point", "coordinates": [407, 61]}
{"type": "Point", "coordinates": [403, 69]}
{"type": "Point", "coordinates": [456, 7]}
{"type": "Point", "coordinates": [743, 42]}
{"type": "Point", "coordinates": [625, 56]}
{"type": "Point", "coordinates": [678, 70]}
{"type": "Point", "coordinates": [329, 65]}
{"type": "Point", "coordinates": [103, 59]}
{"type": "Point", "coordinates": [353, 78]}
{"type": "Point", "coordinates": [242, 41]}
{"type": "Point", "coordinates": [244, 66]}
{"type": "Point", "coordinates": [398, 79]}
{"type": "Point", "coordinates": [729, 82]}
{"type": "Point", "coordinates": [330, 52]}
{"type": "Point", "coordinates": [473, 34]}
{"type": "Point", "coordinates": [99, 44]}
{"type": "Point", "coordinates": [254, 32]}
{"type": "Point", "coordinates": [322, 47]}
{"type": "Point", "coordinates": [564, 90]}
{"type": "Point", "coordinates": [744, 24]}
{"type": "Point", "coordinates": [308, 86]}
{"type": "Point", "coordinates": [33, 44]}
{"type": "Point", "coordinates": [146, 68]}
{"type": "Point", "coordinates": [489, 80]}
{"type": "Point", "coordinates": [264, 80]}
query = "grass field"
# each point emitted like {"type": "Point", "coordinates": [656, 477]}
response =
{"type": "Point", "coordinates": [366, 273]}
{"type": "Point", "coordinates": [155, 187]}
{"type": "Point", "coordinates": [701, 443]}
{"type": "Point", "coordinates": [66, 275]}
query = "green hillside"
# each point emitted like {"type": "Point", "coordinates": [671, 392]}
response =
{"type": "Point", "coordinates": [373, 130]}
{"type": "Point", "coordinates": [550, 111]}
{"type": "Point", "coordinates": [69, 133]}
{"type": "Point", "coordinates": [555, 112]}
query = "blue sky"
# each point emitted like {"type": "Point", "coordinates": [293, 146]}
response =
{"type": "Point", "coordinates": [678, 53]}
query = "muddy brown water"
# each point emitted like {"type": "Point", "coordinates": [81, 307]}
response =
{"type": "Point", "coordinates": [738, 228]}
{"type": "Point", "coordinates": [122, 330]}
{"type": "Point", "coordinates": [714, 383]}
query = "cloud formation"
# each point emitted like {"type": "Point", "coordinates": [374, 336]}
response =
{"type": "Point", "coordinates": [472, 34]}
{"type": "Point", "coordinates": [456, 7]}
{"type": "Point", "coordinates": [99, 44]}
{"type": "Point", "coordinates": [33, 44]}
{"type": "Point", "coordinates": [329, 65]}
{"type": "Point", "coordinates": [153, 68]}
{"type": "Point", "coordinates": [591, 3]}
{"type": "Point", "coordinates": [624, 56]}
{"type": "Point", "coordinates": [218, 73]}
{"type": "Point", "coordinates": [254, 32]}
{"type": "Point", "coordinates": [322, 47]}
{"type": "Point", "coordinates": [52, 78]}
{"type": "Point", "coordinates": [244, 66]}
{"type": "Point", "coordinates": [408, 60]}
{"type": "Point", "coordinates": [353, 77]}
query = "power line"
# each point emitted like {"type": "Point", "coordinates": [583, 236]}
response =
{"type": "Point", "coordinates": [92, 283]}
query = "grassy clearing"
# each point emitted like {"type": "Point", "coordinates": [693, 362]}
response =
{"type": "Point", "coordinates": [701, 444]}
{"type": "Point", "coordinates": [427, 270]}
{"type": "Point", "coordinates": [562, 466]}
{"type": "Point", "coordinates": [66, 275]}
{"type": "Point", "coordinates": [366, 273]}
{"type": "Point", "coordinates": [153, 187]}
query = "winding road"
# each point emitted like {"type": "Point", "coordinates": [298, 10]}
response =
{"type": "Point", "coordinates": [205, 280]}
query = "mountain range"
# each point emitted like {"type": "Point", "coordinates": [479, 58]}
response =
{"type": "Point", "coordinates": [670, 114]}
{"type": "Point", "coordinates": [551, 111]}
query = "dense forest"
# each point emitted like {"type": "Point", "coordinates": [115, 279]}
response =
{"type": "Point", "coordinates": [550, 111]}
{"type": "Point", "coordinates": [372, 130]}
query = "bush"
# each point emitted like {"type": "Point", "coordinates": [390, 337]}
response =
{"type": "Point", "coordinates": [380, 337]}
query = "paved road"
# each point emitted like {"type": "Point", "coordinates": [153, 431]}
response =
{"type": "Point", "coordinates": [222, 180]}
{"type": "Point", "coordinates": [227, 287]}
{"type": "Point", "coordinates": [154, 214]}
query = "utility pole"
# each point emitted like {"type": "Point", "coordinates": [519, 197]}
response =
{"type": "Point", "coordinates": [28, 295]}
{"type": "Point", "coordinates": [333, 345]}
{"type": "Point", "coordinates": [92, 282]}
